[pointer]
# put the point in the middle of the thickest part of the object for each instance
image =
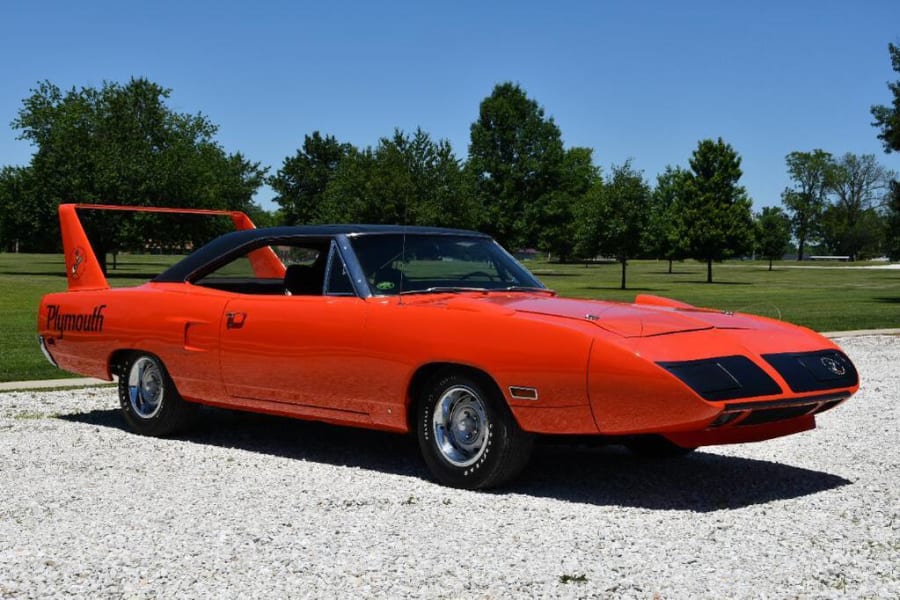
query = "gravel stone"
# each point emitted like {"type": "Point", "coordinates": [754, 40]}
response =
{"type": "Point", "coordinates": [249, 506]}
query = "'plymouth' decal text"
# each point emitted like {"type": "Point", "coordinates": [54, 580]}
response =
{"type": "Point", "coordinates": [63, 321]}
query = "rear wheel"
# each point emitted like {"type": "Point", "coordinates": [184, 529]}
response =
{"type": "Point", "coordinates": [148, 398]}
{"type": "Point", "coordinates": [467, 434]}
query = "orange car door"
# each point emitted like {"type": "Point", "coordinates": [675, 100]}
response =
{"type": "Point", "coordinates": [300, 350]}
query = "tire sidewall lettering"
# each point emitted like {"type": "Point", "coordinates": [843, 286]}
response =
{"type": "Point", "coordinates": [484, 456]}
{"type": "Point", "coordinates": [427, 434]}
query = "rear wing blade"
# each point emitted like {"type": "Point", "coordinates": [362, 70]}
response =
{"type": "Point", "coordinates": [83, 271]}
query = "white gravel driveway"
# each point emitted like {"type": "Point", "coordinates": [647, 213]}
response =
{"type": "Point", "coordinates": [259, 507]}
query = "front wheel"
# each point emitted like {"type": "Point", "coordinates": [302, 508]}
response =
{"type": "Point", "coordinates": [150, 403]}
{"type": "Point", "coordinates": [467, 434]}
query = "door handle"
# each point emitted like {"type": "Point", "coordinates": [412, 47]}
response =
{"type": "Point", "coordinates": [235, 320]}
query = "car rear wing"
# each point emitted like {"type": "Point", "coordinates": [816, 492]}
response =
{"type": "Point", "coordinates": [83, 271]}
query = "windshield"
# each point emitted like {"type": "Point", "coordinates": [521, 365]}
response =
{"type": "Point", "coordinates": [397, 263]}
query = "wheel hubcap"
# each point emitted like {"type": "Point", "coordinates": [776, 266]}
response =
{"type": "Point", "coordinates": [460, 426]}
{"type": "Point", "coordinates": [145, 387]}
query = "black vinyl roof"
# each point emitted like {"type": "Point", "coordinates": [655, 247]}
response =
{"type": "Point", "coordinates": [232, 243]}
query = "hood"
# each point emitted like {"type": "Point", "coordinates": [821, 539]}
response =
{"type": "Point", "coordinates": [632, 320]}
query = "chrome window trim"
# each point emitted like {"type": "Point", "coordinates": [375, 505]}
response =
{"type": "Point", "coordinates": [334, 253]}
{"type": "Point", "coordinates": [341, 242]}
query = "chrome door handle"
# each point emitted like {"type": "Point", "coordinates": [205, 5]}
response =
{"type": "Point", "coordinates": [235, 320]}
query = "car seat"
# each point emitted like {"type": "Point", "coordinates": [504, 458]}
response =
{"type": "Point", "coordinates": [302, 280]}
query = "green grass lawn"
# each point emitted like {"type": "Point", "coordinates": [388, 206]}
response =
{"type": "Point", "coordinates": [824, 299]}
{"type": "Point", "coordinates": [24, 278]}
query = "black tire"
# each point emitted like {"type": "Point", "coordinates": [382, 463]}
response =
{"type": "Point", "coordinates": [150, 403]}
{"type": "Point", "coordinates": [656, 446]}
{"type": "Point", "coordinates": [474, 442]}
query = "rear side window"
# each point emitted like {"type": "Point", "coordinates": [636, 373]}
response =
{"type": "Point", "coordinates": [288, 268]}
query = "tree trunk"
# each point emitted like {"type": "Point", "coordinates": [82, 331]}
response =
{"type": "Point", "coordinates": [623, 273]}
{"type": "Point", "coordinates": [670, 266]}
{"type": "Point", "coordinates": [770, 264]}
{"type": "Point", "coordinates": [709, 270]}
{"type": "Point", "coordinates": [800, 248]}
{"type": "Point", "coordinates": [101, 258]}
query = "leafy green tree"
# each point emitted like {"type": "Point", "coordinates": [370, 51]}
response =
{"type": "Point", "coordinates": [587, 214]}
{"type": "Point", "coordinates": [620, 216]}
{"type": "Point", "coordinates": [892, 222]}
{"type": "Point", "coordinates": [121, 144]}
{"type": "Point", "coordinates": [348, 198]}
{"type": "Point", "coordinates": [887, 118]}
{"type": "Point", "coordinates": [22, 214]}
{"type": "Point", "coordinates": [716, 210]}
{"type": "Point", "coordinates": [859, 185]}
{"type": "Point", "coordinates": [858, 181]}
{"type": "Point", "coordinates": [628, 209]}
{"type": "Point", "coordinates": [857, 234]}
{"type": "Point", "coordinates": [442, 194]}
{"type": "Point", "coordinates": [773, 233]}
{"type": "Point", "coordinates": [392, 186]}
{"type": "Point", "coordinates": [261, 217]}
{"type": "Point", "coordinates": [557, 211]}
{"type": "Point", "coordinates": [665, 238]}
{"type": "Point", "coordinates": [405, 179]}
{"type": "Point", "coordinates": [812, 173]}
{"type": "Point", "coordinates": [516, 157]}
{"type": "Point", "coordinates": [301, 181]}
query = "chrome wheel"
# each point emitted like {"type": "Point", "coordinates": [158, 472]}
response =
{"type": "Point", "coordinates": [460, 426]}
{"type": "Point", "coordinates": [149, 398]}
{"type": "Point", "coordinates": [468, 435]}
{"type": "Point", "coordinates": [145, 387]}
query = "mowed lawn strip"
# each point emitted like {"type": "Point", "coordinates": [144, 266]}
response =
{"type": "Point", "coordinates": [830, 297]}
{"type": "Point", "coordinates": [822, 298]}
{"type": "Point", "coordinates": [24, 278]}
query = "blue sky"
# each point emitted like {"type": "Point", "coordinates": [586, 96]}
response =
{"type": "Point", "coordinates": [639, 80]}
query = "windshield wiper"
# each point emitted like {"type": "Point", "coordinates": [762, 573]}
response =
{"type": "Point", "coordinates": [523, 288]}
{"type": "Point", "coordinates": [450, 289]}
{"type": "Point", "coordinates": [445, 289]}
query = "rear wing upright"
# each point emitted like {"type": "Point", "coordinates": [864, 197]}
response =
{"type": "Point", "coordinates": [83, 271]}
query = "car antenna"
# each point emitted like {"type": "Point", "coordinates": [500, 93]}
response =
{"type": "Point", "coordinates": [403, 252]}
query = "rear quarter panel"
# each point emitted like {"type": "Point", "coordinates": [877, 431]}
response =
{"type": "Point", "coordinates": [178, 325]}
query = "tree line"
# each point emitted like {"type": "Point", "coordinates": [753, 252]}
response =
{"type": "Point", "coordinates": [122, 144]}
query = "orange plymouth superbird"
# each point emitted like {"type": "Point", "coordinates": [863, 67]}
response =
{"type": "Point", "coordinates": [431, 331]}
